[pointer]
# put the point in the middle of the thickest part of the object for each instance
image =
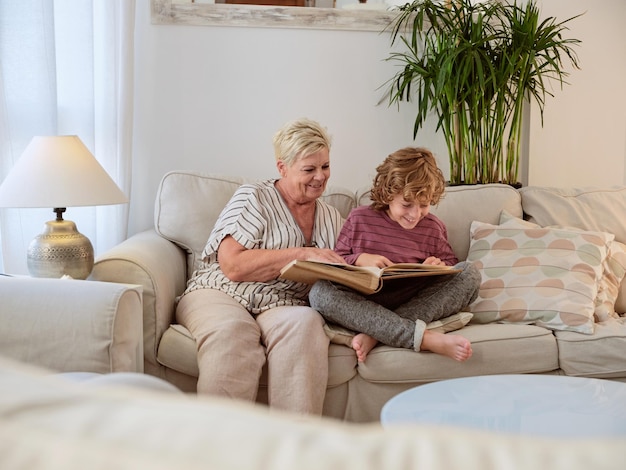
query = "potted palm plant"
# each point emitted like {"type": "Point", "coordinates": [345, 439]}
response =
{"type": "Point", "coordinates": [476, 65]}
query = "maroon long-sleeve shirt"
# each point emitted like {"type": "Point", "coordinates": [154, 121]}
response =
{"type": "Point", "coordinates": [370, 231]}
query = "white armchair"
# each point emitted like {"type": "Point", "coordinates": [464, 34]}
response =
{"type": "Point", "coordinates": [69, 325]}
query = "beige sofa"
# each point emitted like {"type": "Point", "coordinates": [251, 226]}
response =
{"type": "Point", "coordinates": [47, 423]}
{"type": "Point", "coordinates": [187, 205]}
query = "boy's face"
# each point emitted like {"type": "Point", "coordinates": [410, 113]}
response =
{"type": "Point", "coordinates": [407, 213]}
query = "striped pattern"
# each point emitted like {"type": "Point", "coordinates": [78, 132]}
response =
{"type": "Point", "coordinates": [369, 231]}
{"type": "Point", "coordinates": [258, 218]}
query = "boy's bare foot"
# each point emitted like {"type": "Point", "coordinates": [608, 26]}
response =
{"type": "Point", "coordinates": [363, 344]}
{"type": "Point", "coordinates": [456, 347]}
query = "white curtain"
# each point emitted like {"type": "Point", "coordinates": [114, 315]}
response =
{"type": "Point", "coordinates": [66, 68]}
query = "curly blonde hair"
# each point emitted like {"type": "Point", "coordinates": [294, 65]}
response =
{"type": "Point", "coordinates": [412, 172]}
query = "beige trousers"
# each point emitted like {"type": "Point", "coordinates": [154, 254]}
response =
{"type": "Point", "coordinates": [234, 345]}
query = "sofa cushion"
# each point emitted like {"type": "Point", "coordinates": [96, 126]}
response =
{"type": "Point", "coordinates": [601, 355]}
{"type": "Point", "coordinates": [537, 275]}
{"type": "Point", "coordinates": [497, 349]}
{"type": "Point", "coordinates": [188, 204]}
{"type": "Point", "coordinates": [609, 288]}
{"type": "Point", "coordinates": [613, 271]}
{"type": "Point", "coordinates": [588, 208]}
{"type": "Point", "coordinates": [178, 351]}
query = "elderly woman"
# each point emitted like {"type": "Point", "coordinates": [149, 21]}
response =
{"type": "Point", "coordinates": [237, 309]}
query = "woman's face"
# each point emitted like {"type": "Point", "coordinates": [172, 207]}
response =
{"type": "Point", "coordinates": [305, 180]}
{"type": "Point", "coordinates": [407, 213]}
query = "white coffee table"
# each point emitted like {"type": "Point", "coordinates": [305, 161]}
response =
{"type": "Point", "coordinates": [544, 405]}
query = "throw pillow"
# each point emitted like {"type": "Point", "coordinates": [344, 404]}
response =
{"type": "Point", "coordinates": [340, 335]}
{"type": "Point", "coordinates": [533, 275]}
{"type": "Point", "coordinates": [613, 270]}
{"type": "Point", "coordinates": [609, 288]}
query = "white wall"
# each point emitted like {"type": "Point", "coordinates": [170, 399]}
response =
{"type": "Point", "coordinates": [583, 141]}
{"type": "Point", "coordinates": [210, 99]}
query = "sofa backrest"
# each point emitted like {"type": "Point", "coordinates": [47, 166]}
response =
{"type": "Point", "coordinates": [461, 205]}
{"type": "Point", "coordinates": [188, 204]}
{"type": "Point", "coordinates": [587, 208]}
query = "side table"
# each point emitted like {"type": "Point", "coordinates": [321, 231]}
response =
{"type": "Point", "coordinates": [538, 405]}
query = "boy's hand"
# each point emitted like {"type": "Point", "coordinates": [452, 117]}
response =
{"type": "Point", "coordinates": [433, 261]}
{"type": "Point", "coordinates": [368, 259]}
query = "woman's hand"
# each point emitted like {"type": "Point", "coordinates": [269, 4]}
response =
{"type": "Point", "coordinates": [322, 254]}
{"type": "Point", "coordinates": [368, 259]}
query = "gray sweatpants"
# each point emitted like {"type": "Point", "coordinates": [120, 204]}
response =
{"type": "Point", "coordinates": [397, 315]}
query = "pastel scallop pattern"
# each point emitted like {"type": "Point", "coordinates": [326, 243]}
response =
{"type": "Point", "coordinates": [544, 276]}
{"type": "Point", "coordinates": [614, 269]}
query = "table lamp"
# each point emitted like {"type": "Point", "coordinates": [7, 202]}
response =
{"type": "Point", "coordinates": [59, 172]}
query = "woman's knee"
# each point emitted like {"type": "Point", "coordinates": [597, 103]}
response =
{"type": "Point", "coordinates": [215, 317]}
{"type": "Point", "coordinates": [297, 325]}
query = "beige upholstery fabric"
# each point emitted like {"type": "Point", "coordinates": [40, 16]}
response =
{"type": "Point", "coordinates": [586, 208]}
{"type": "Point", "coordinates": [48, 424]}
{"type": "Point", "coordinates": [461, 205]}
{"type": "Point", "coordinates": [159, 266]}
{"type": "Point", "coordinates": [71, 325]}
{"type": "Point", "coordinates": [602, 355]}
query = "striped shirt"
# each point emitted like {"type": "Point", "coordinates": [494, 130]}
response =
{"type": "Point", "coordinates": [258, 218]}
{"type": "Point", "coordinates": [370, 231]}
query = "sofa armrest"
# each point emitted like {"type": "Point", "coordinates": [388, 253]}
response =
{"type": "Point", "coordinates": [160, 267]}
{"type": "Point", "coordinates": [70, 325]}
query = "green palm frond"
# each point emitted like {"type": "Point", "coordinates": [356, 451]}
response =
{"type": "Point", "coordinates": [475, 66]}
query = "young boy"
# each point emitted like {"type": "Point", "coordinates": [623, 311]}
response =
{"type": "Point", "coordinates": [398, 228]}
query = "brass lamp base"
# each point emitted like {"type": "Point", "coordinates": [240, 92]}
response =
{"type": "Point", "coordinates": [60, 250]}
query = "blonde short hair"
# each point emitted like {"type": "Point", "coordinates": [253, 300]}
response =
{"type": "Point", "coordinates": [298, 139]}
{"type": "Point", "coordinates": [412, 172]}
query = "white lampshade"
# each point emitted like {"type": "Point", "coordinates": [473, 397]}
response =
{"type": "Point", "coordinates": [58, 171]}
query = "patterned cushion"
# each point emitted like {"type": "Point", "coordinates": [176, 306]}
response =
{"type": "Point", "coordinates": [587, 208]}
{"type": "Point", "coordinates": [613, 271]}
{"type": "Point", "coordinates": [609, 287]}
{"type": "Point", "coordinates": [532, 275]}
